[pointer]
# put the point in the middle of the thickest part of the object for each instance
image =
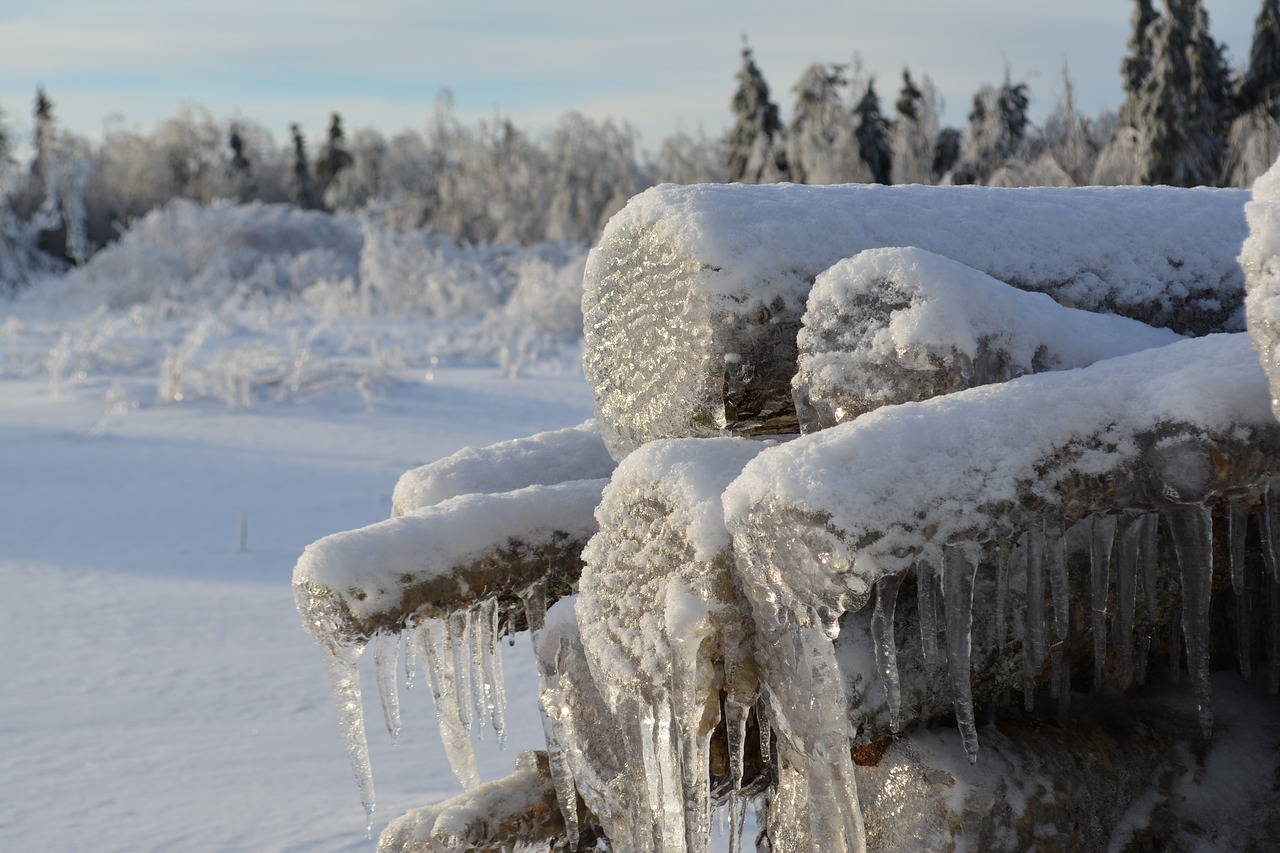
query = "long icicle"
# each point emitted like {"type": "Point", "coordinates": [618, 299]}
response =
{"type": "Point", "coordinates": [1191, 528]}
{"type": "Point", "coordinates": [1271, 530]}
{"type": "Point", "coordinates": [959, 572]}
{"type": "Point", "coordinates": [1127, 555]}
{"type": "Point", "coordinates": [453, 735]}
{"type": "Point", "coordinates": [927, 602]}
{"type": "Point", "coordinates": [1237, 524]}
{"type": "Point", "coordinates": [494, 673]}
{"type": "Point", "coordinates": [886, 648]}
{"type": "Point", "coordinates": [386, 654]}
{"type": "Point", "coordinates": [342, 666]}
{"type": "Point", "coordinates": [1100, 545]}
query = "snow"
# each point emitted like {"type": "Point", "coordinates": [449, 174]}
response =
{"type": "Point", "coordinates": [159, 693]}
{"type": "Point", "coordinates": [694, 295]}
{"type": "Point", "coordinates": [939, 465]}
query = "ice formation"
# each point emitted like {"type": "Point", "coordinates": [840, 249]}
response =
{"type": "Point", "coordinates": [1018, 497]}
{"type": "Point", "coordinates": [441, 578]}
{"type": "Point", "coordinates": [693, 297]}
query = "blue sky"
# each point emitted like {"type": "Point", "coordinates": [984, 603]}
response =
{"type": "Point", "coordinates": [662, 65]}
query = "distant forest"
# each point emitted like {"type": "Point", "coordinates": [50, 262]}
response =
{"type": "Point", "coordinates": [1187, 119]}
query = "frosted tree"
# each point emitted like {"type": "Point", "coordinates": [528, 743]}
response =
{"type": "Point", "coordinates": [1136, 67]}
{"type": "Point", "coordinates": [594, 174]}
{"type": "Point", "coordinates": [997, 131]}
{"type": "Point", "coordinates": [872, 132]}
{"type": "Point", "coordinates": [336, 157]}
{"type": "Point", "coordinates": [1253, 142]}
{"type": "Point", "coordinates": [1066, 136]}
{"type": "Point", "coordinates": [302, 188]}
{"type": "Point", "coordinates": [754, 152]}
{"type": "Point", "coordinates": [822, 147]}
{"type": "Point", "coordinates": [192, 147]}
{"type": "Point", "coordinates": [1183, 104]}
{"type": "Point", "coordinates": [687, 159]}
{"type": "Point", "coordinates": [914, 132]}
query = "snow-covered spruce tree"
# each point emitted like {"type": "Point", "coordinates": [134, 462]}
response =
{"type": "Point", "coordinates": [1185, 101]}
{"type": "Point", "coordinates": [822, 147]}
{"type": "Point", "coordinates": [302, 187]}
{"type": "Point", "coordinates": [1253, 142]}
{"type": "Point", "coordinates": [239, 169]}
{"type": "Point", "coordinates": [754, 151]}
{"type": "Point", "coordinates": [996, 133]}
{"type": "Point", "coordinates": [914, 132]}
{"type": "Point", "coordinates": [335, 157]}
{"type": "Point", "coordinates": [1136, 67]}
{"type": "Point", "coordinates": [872, 132]}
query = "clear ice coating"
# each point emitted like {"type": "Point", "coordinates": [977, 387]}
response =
{"type": "Point", "coordinates": [323, 618]}
{"type": "Point", "coordinates": [886, 648]}
{"type": "Point", "coordinates": [1100, 547]}
{"type": "Point", "coordinates": [960, 568]}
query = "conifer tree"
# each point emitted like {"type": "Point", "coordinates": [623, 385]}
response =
{"type": "Point", "coordinates": [44, 132]}
{"type": "Point", "coordinates": [335, 157]}
{"type": "Point", "coordinates": [1136, 67]}
{"type": "Point", "coordinates": [1184, 101]}
{"type": "Point", "coordinates": [754, 153]}
{"type": "Point", "coordinates": [1260, 85]}
{"type": "Point", "coordinates": [821, 145]}
{"type": "Point", "coordinates": [1253, 142]}
{"type": "Point", "coordinates": [913, 133]}
{"type": "Point", "coordinates": [872, 132]}
{"type": "Point", "coordinates": [302, 188]}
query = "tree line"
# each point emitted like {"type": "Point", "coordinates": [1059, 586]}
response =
{"type": "Point", "coordinates": [1187, 119]}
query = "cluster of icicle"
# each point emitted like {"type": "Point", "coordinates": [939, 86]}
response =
{"type": "Point", "coordinates": [463, 667]}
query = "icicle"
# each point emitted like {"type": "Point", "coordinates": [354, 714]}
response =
{"type": "Point", "coordinates": [927, 602]}
{"type": "Point", "coordinates": [735, 727]}
{"type": "Point", "coordinates": [1018, 559]}
{"type": "Point", "coordinates": [325, 619]}
{"type": "Point", "coordinates": [958, 575]}
{"type": "Point", "coordinates": [766, 732]}
{"type": "Point", "coordinates": [561, 774]}
{"type": "Point", "coordinates": [1055, 562]}
{"type": "Point", "coordinates": [1144, 655]}
{"type": "Point", "coordinates": [1237, 524]}
{"type": "Point", "coordinates": [1270, 528]}
{"type": "Point", "coordinates": [1151, 565]}
{"type": "Point", "coordinates": [342, 665]}
{"type": "Point", "coordinates": [1127, 554]}
{"type": "Point", "coordinates": [425, 634]}
{"type": "Point", "coordinates": [535, 609]}
{"type": "Point", "coordinates": [459, 675]}
{"type": "Point", "coordinates": [384, 663]}
{"type": "Point", "coordinates": [662, 778]}
{"type": "Point", "coordinates": [737, 821]}
{"type": "Point", "coordinates": [1035, 597]}
{"type": "Point", "coordinates": [481, 690]}
{"type": "Point", "coordinates": [493, 674]}
{"type": "Point", "coordinates": [1175, 652]}
{"type": "Point", "coordinates": [1191, 527]}
{"type": "Point", "coordinates": [444, 690]}
{"type": "Point", "coordinates": [410, 660]}
{"type": "Point", "coordinates": [1104, 534]}
{"type": "Point", "coordinates": [1000, 620]}
{"type": "Point", "coordinates": [886, 649]}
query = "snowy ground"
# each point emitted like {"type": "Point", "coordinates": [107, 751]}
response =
{"type": "Point", "coordinates": [159, 693]}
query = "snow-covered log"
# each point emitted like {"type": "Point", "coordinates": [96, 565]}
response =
{"type": "Point", "coordinates": [670, 639]}
{"type": "Point", "coordinates": [902, 324]}
{"type": "Point", "coordinates": [972, 495]}
{"type": "Point", "coordinates": [693, 297]}
{"type": "Point", "coordinates": [518, 811]}
{"type": "Point", "coordinates": [556, 456]}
